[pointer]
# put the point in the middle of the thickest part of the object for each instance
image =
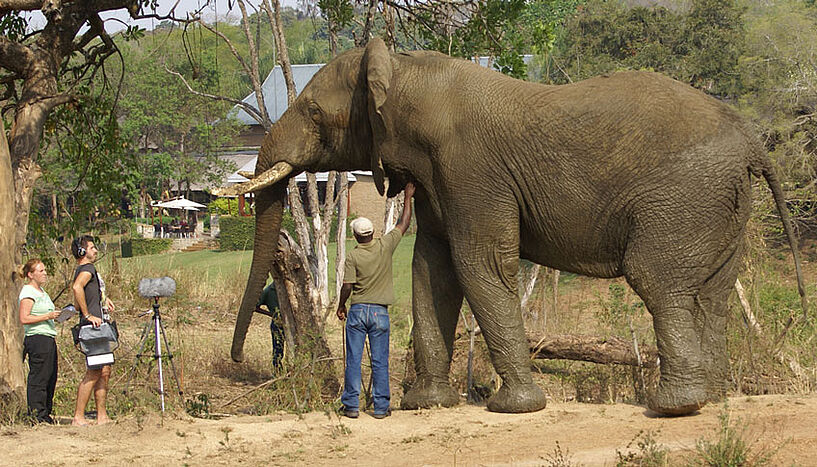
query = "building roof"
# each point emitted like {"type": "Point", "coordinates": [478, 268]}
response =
{"type": "Point", "coordinates": [275, 92]}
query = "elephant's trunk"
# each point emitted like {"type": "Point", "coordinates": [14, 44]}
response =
{"type": "Point", "coordinates": [269, 207]}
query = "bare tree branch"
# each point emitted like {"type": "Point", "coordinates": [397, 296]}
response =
{"type": "Point", "coordinates": [252, 111]}
{"type": "Point", "coordinates": [255, 74]}
{"type": "Point", "coordinates": [274, 16]}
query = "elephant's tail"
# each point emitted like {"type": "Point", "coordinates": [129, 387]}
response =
{"type": "Point", "coordinates": [763, 167]}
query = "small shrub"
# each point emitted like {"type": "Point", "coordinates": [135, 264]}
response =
{"type": "Point", "coordinates": [731, 446]}
{"type": "Point", "coordinates": [198, 406]}
{"type": "Point", "coordinates": [150, 246]}
{"type": "Point", "coordinates": [648, 454]}
{"type": "Point", "coordinates": [13, 410]}
{"type": "Point", "coordinates": [559, 458]}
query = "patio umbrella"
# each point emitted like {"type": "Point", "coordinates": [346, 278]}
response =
{"type": "Point", "coordinates": [180, 203]}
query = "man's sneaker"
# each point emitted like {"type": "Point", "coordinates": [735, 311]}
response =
{"type": "Point", "coordinates": [351, 413]}
{"type": "Point", "coordinates": [381, 415]}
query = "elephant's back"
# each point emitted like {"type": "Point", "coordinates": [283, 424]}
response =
{"type": "Point", "coordinates": [638, 110]}
{"type": "Point", "coordinates": [623, 148]}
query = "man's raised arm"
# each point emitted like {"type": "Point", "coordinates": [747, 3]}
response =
{"type": "Point", "coordinates": [405, 218]}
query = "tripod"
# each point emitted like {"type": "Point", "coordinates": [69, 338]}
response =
{"type": "Point", "coordinates": [158, 328]}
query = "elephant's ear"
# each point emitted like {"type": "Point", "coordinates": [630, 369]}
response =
{"type": "Point", "coordinates": [378, 77]}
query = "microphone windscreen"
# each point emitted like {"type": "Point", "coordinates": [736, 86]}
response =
{"type": "Point", "coordinates": [158, 287]}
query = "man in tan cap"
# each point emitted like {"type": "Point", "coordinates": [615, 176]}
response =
{"type": "Point", "coordinates": [368, 280]}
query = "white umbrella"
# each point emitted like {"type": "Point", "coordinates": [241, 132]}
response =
{"type": "Point", "coordinates": [180, 203]}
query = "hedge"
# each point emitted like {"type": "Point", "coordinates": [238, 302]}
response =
{"type": "Point", "coordinates": [237, 233]}
{"type": "Point", "coordinates": [150, 246]}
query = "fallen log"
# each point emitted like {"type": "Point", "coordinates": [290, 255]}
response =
{"type": "Point", "coordinates": [596, 349]}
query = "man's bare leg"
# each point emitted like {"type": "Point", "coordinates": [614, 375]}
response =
{"type": "Point", "coordinates": [100, 394]}
{"type": "Point", "coordinates": [86, 386]}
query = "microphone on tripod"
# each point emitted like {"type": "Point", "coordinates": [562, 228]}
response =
{"type": "Point", "coordinates": [158, 287]}
{"type": "Point", "coordinates": [154, 289]}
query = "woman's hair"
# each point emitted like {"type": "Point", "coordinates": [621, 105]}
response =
{"type": "Point", "coordinates": [29, 267]}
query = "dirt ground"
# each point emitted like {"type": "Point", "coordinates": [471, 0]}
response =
{"type": "Point", "coordinates": [587, 434]}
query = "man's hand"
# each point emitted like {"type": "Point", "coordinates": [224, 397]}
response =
{"type": "Point", "coordinates": [109, 305]}
{"type": "Point", "coordinates": [341, 312]}
{"type": "Point", "coordinates": [53, 314]}
{"type": "Point", "coordinates": [409, 190]}
{"type": "Point", "coordinates": [95, 320]}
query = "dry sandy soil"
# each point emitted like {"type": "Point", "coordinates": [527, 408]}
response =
{"type": "Point", "coordinates": [588, 434]}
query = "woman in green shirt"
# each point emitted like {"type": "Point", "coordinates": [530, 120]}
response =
{"type": "Point", "coordinates": [37, 317]}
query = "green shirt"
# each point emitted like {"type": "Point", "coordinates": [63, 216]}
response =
{"type": "Point", "coordinates": [369, 269]}
{"type": "Point", "coordinates": [42, 305]}
{"type": "Point", "coordinates": [269, 297]}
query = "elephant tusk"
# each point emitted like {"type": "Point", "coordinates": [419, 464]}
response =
{"type": "Point", "coordinates": [277, 173]}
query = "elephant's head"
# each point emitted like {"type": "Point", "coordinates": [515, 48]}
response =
{"type": "Point", "coordinates": [335, 124]}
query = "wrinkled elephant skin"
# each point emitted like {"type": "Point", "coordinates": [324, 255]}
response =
{"type": "Point", "coordinates": [632, 174]}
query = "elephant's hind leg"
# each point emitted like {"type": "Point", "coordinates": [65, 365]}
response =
{"type": "Point", "coordinates": [436, 302]}
{"type": "Point", "coordinates": [671, 301]}
{"type": "Point", "coordinates": [712, 311]}
{"type": "Point", "coordinates": [488, 269]}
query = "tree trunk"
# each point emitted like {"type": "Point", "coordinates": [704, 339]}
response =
{"type": "Point", "coordinates": [343, 213]}
{"type": "Point", "coordinates": [596, 349]}
{"type": "Point", "coordinates": [529, 284]}
{"type": "Point", "coordinates": [393, 210]}
{"type": "Point", "coordinates": [301, 318]}
{"type": "Point", "coordinates": [318, 255]}
{"type": "Point", "coordinates": [12, 375]}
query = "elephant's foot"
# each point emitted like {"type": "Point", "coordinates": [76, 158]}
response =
{"type": "Point", "coordinates": [518, 398]}
{"type": "Point", "coordinates": [678, 400]}
{"type": "Point", "coordinates": [427, 395]}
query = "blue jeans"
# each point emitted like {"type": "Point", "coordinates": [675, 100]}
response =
{"type": "Point", "coordinates": [373, 320]}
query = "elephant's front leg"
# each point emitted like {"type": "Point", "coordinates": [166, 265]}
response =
{"type": "Point", "coordinates": [487, 264]}
{"type": "Point", "coordinates": [436, 302]}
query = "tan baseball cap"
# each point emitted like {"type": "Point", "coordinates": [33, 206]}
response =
{"type": "Point", "coordinates": [362, 226]}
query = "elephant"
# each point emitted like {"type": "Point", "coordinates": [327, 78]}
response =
{"type": "Point", "coordinates": [629, 174]}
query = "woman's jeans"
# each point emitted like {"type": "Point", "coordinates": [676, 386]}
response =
{"type": "Point", "coordinates": [373, 320]}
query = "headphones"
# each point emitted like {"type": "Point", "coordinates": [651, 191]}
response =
{"type": "Point", "coordinates": [80, 250]}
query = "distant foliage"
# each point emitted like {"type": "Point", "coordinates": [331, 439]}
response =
{"type": "Point", "coordinates": [150, 246]}
{"type": "Point", "coordinates": [701, 46]}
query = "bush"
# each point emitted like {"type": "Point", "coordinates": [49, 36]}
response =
{"type": "Point", "coordinates": [237, 233]}
{"type": "Point", "coordinates": [150, 246]}
{"type": "Point", "coordinates": [220, 207]}
{"type": "Point", "coordinates": [731, 447]}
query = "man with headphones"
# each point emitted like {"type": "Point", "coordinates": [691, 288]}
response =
{"type": "Point", "coordinates": [90, 299]}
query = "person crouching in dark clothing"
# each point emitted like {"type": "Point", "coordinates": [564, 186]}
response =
{"type": "Point", "coordinates": [269, 298]}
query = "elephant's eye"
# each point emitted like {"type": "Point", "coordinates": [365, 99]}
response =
{"type": "Point", "coordinates": [314, 112]}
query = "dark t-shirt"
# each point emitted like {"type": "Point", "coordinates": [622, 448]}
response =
{"type": "Point", "coordinates": [93, 296]}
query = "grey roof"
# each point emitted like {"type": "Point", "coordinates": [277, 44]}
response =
{"type": "Point", "coordinates": [275, 92]}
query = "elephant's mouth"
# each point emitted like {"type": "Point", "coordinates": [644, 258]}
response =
{"type": "Point", "coordinates": [270, 177]}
